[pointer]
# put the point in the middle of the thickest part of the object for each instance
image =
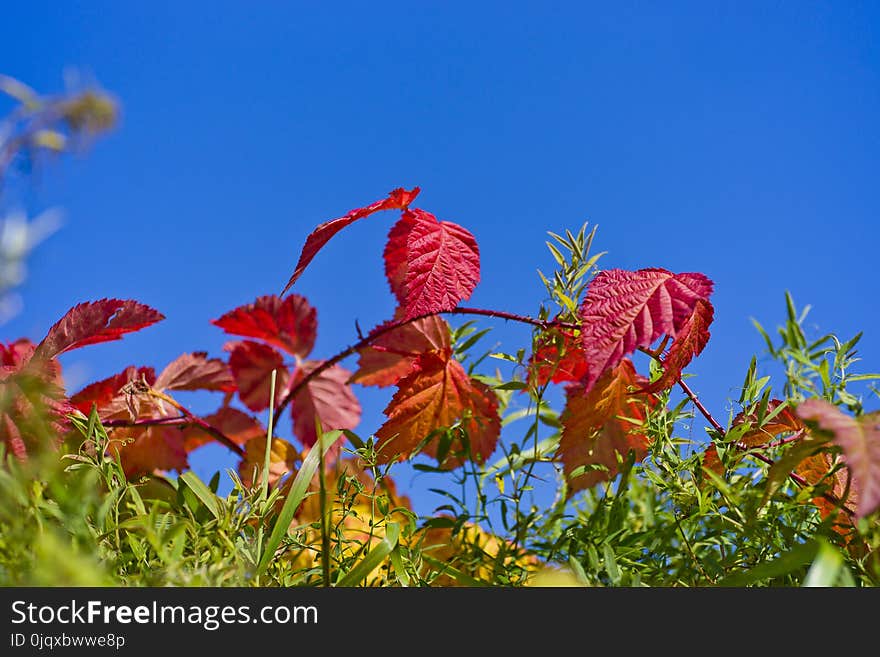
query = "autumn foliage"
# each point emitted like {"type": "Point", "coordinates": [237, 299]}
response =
{"type": "Point", "coordinates": [438, 408]}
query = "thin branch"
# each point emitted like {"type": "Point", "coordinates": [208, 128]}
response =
{"type": "Point", "coordinates": [379, 332]}
{"type": "Point", "coordinates": [706, 414]}
{"type": "Point", "coordinates": [800, 481]}
{"type": "Point", "coordinates": [187, 418]}
{"type": "Point", "coordinates": [690, 550]}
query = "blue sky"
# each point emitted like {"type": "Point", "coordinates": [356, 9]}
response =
{"type": "Point", "coordinates": [736, 139]}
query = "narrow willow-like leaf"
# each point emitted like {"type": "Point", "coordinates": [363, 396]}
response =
{"type": "Point", "coordinates": [374, 558]}
{"type": "Point", "coordinates": [788, 562]}
{"type": "Point", "coordinates": [455, 573]}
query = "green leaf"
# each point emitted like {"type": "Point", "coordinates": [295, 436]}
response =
{"type": "Point", "coordinates": [399, 570]}
{"type": "Point", "coordinates": [765, 336]}
{"type": "Point", "coordinates": [514, 462]}
{"type": "Point", "coordinates": [782, 468]}
{"type": "Point", "coordinates": [374, 557]}
{"type": "Point", "coordinates": [828, 568]}
{"type": "Point", "coordinates": [204, 493]}
{"type": "Point", "coordinates": [863, 377]}
{"type": "Point", "coordinates": [512, 385]}
{"type": "Point", "coordinates": [445, 569]}
{"type": "Point", "coordinates": [786, 563]}
{"type": "Point", "coordinates": [611, 564]}
{"type": "Point", "coordinates": [295, 496]}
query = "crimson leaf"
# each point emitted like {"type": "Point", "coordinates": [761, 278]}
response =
{"type": "Point", "coordinates": [625, 310]}
{"type": "Point", "coordinates": [196, 372]}
{"type": "Point", "coordinates": [93, 322]}
{"type": "Point", "coordinates": [397, 199]}
{"type": "Point", "coordinates": [327, 397]}
{"type": "Point", "coordinates": [442, 265]}
{"type": "Point", "coordinates": [688, 343]}
{"type": "Point", "coordinates": [252, 364]}
{"type": "Point", "coordinates": [290, 324]}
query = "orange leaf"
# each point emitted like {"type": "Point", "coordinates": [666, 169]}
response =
{"type": "Point", "coordinates": [283, 458]}
{"type": "Point", "coordinates": [596, 426]}
{"type": "Point", "coordinates": [784, 422]}
{"type": "Point", "coordinates": [390, 357]}
{"type": "Point", "coordinates": [860, 440]}
{"type": "Point", "coordinates": [712, 462]}
{"type": "Point", "coordinates": [151, 448]}
{"type": "Point", "coordinates": [437, 394]}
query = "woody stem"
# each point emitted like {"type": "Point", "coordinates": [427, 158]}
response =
{"type": "Point", "coordinates": [543, 324]}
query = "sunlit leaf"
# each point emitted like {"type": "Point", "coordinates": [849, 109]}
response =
{"type": "Point", "coordinates": [625, 310]}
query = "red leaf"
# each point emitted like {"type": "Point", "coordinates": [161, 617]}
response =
{"type": "Point", "coordinates": [860, 440]}
{"type": "Point", "coordinates": [196, 372]}
{"type": "Point", "coordinates": [437, 394]}
{"type": "Point", "coordinates": [235, 424]}
{"type": "Point", "coordinates": [596, 426]}
{"type": "Point", "coordinates": [93, 322]}
{"type": "Point", "coordinates": [33, 408]}
{"type": "Point", "coordinates": [688, 343]}
{"type": "Point", "coordinates": [396, 252]}
{"type": "Point", "coordinates": [15, 354]}
{"type": "Point", "coordinates": [390, 357]}
{"type": "Point", "coordinates": [327, 397]}
{"type": "Point", "coordinates": [783, 422]}
{"type": "Point", "coordinates": [442, 266]}
{"type": "Point", "coordinates": [152, 448]}
{"type": "Point", "coordinates": [558, 357]}
{"type": "Point", "coordinates": [106, 393]}
{"type": "Point", "coordinates": [252, 364]}
{"type": "Point", "coordinates": [625, 310]}
{"type": "Point", "coordinates": [397, 199]}
{"type": "Point", "coordinates": [290, 324]}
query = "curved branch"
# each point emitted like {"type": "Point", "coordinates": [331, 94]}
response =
{"type": "Point", "coordinates": [365, 341]}
{"type": "Point", "coordinates": [184, 420]}
{"type": "Point", "coordinates": [800, 481]}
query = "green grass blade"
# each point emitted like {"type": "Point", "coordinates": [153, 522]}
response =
{"type": "Point", "coordinates": [295, 497]}
{"type": "Point", "coordinates": [374, 558]}
{"type": "Point", "coordinates": [399, 569]}
{"type": "Point", "coordinates": [201, 491]}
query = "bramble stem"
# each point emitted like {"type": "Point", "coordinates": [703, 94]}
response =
{"type": "Point", "coordinates": [185, 419]}
{"type": "Point", "coordinates": [800, 481]}
{"type": "Point", "coordinates": [365, 341]}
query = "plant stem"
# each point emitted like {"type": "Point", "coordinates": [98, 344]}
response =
{"type": "Point", "coordinates": [800, 481]}
{"type": "Point", "coordinates": [379, 332]}
{"type": "Point", "coordinates": [187, 419]}
{"type": "Point", "coordinates": [267, 457]}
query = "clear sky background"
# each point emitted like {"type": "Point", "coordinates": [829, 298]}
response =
{"type": "Point", "coordinates": [738, 139]}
